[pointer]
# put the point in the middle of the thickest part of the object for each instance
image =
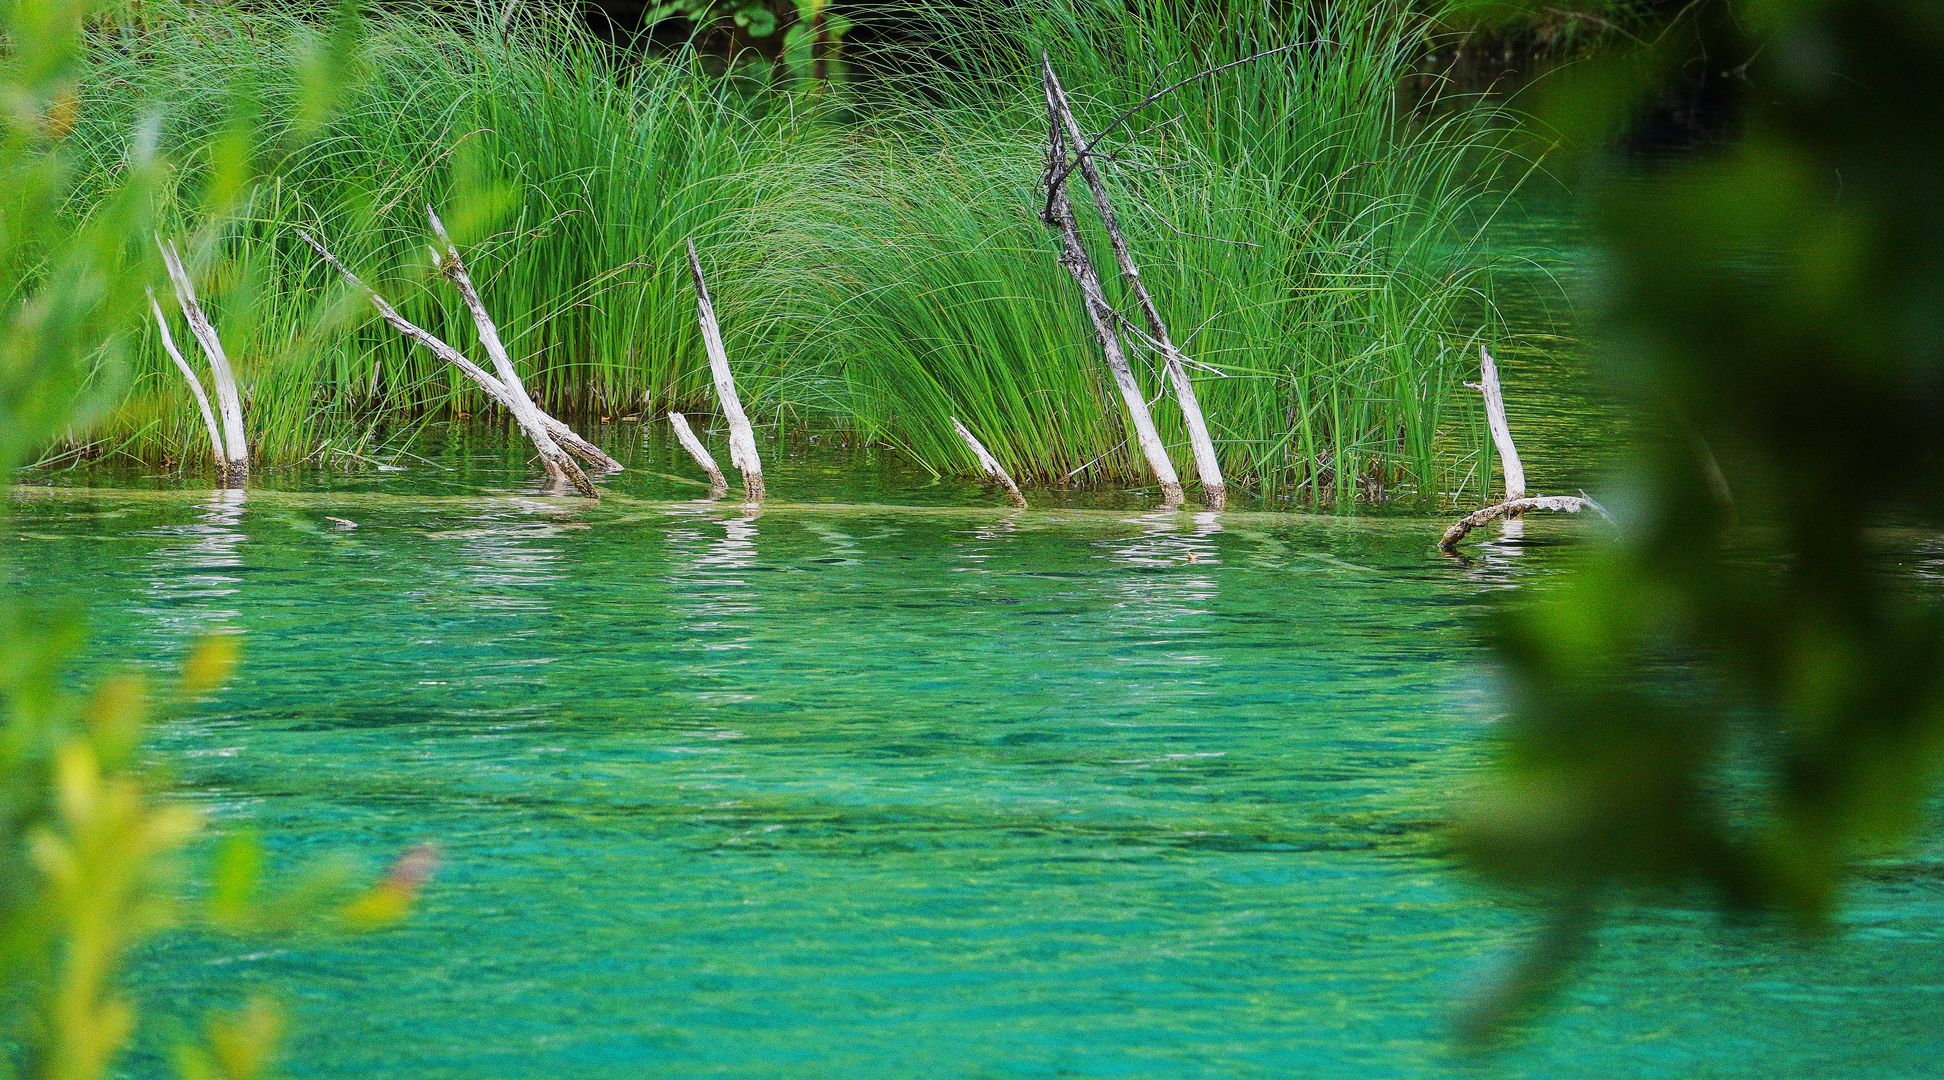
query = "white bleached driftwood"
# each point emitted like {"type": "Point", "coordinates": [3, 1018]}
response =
{"type": "Point", "coordinates": [234, 462]}
{"type": "Point", "coordinates": [990, 465]}
{"type": "Point", "coordinates": [563, 434]}
{"type": "Point", "coordinates": [195, 386]}
{"type": "Point", "coordinates": [1518, 501]}
{"type": "Point", "coordinates": [718, 486]}
{"type": "Point", "coordinates": [1488, 387]}
{"type": "Point", "coordinates": [742, 438]}
{"type": "Point", "coordinates": [1207, 465]}
{"type": "Point", "coordinates": [559, 465]}
{"type": "Point", "coordinates": [1073, 256]}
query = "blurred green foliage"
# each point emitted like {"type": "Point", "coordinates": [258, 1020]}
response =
{"type": "Point", "coordinates": [805, 36]}
{"type": "Point", "coordinates": [1741, 697]}
{"type": "Point", "coordinates": [87, 845]}
{"type": "Point", "coordinates": [1559, 29]}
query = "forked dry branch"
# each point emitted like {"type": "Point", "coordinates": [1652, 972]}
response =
{"type": "Point", "coordinates": [195, 386]}
{"type": "Point", "coordinates": [1517, 502]}
{"type": "Point", "coordinates": [1207, 465]}
{"type": "Point", "coordinates": [559, 465]}
{"type": "Point", "coordinates": [1073, 255]}
{"type": "Point", "coordinates": [233, 450]}
{"type": "Point", "coordinates": [557, 432]}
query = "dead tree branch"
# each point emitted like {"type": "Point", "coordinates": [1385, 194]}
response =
{"type": "Point", "coordinates": [990, 465]}
{"type": "Point", "coordinates": [1564, 504]}
{"type": "Point", "coordinates": [195, 386]}
{"type": "Point", "coordinates": [494, 389]}
{"type": "Point", "coordinates": [235, 462]}
{"type": "Point", "coordinates": [1207, 465]}
{"type": "Point", "coordinates": [718, 487]}
{"type": "Point", "coordinates": [1488, 387]}
{"type": "Point", "coordinates": [742, 438]}
{"type": "Point", "coordinates": [1517, 502]}
{"type": "Point", "coordinates": [559, 465]}
{"type": "Point", "coordinates": [1073, 256]}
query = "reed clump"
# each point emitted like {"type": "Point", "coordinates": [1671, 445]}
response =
{"type": "Point", "coordinates": [875, 247]}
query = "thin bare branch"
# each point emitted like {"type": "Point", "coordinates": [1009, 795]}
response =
{"type": "Point", "coordinates": [229, 402]}
{"type": "Point", "coordinates": [195, 385]}
{"type": "Point", "coordinates": [1056, 179]}
{"type": "Point", "coordinates": [718, 487]}
{"type": "Point", "coordinates": [990, 465]}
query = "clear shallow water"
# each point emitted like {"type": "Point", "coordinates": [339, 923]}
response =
{"type": "Point", "coordinates": [865, 791]}
{"type": "Point", "coordinates": [847, 789]}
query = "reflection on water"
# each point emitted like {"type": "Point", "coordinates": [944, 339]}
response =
{"type": "Point", "coordinates": [1166, 603]}
{"type": "Point", "coordinates": [504, 562]}
{"type": "Point", "coordinates": [718, 547]}
{"type": "Point", "coordinates": [712, 555]}
{"type": "Point", "coordinates": [858, 792]}
{"type": "Point", "coordinates": [193, 581]}
{"type": "Point", "coordinates": [1493, 562]}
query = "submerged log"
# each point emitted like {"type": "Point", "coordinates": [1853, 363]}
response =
{"type": "Point", "coordinates": [563, 434]}
{"type": "Point", "coordinates": [742, 438]}
{"type": "Point", "coordinates": [234, 465]}
{"type": "Point", "coordinates": [1565, 504]}
{"type": "Point", "coordinates": [990, 465]}
{"type": "Point", "coordinates": [195, 386]}
{"type": "Point", "coordinates": [558, 464]}
{"type": "Point", "coordinates": [1073, 255]}
{"type": "Point", "coordinates": [718, 486]}
{"type": "Point", "coordinates": [1207, 465]}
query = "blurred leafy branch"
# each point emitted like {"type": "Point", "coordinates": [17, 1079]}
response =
{"type": "Point", "coordinates": [1742, 698]}
{"type": "Point", "coordinates": [88, 847]}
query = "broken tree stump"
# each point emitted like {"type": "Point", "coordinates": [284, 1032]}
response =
{"type": "Point", "coordinates": [1488, 387]}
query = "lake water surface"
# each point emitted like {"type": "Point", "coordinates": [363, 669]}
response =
{"type": "Point", "coordinates": [886, 781]}
{"type": "Point", "coordinates": [859, 790]}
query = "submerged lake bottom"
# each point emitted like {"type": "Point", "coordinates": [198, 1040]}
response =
{"type": "Point", "coordinates": [856, 789]}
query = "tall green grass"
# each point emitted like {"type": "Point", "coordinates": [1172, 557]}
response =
{"type": "Point", "coordinates": [1308, 239]}
{"type": "Point", "coordinates": [876, 252]}
{"type": "Point", "coordinates": [570, 174]}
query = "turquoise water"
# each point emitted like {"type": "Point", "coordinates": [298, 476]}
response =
{"type": "Point", "coordinates": [843, 789]}
{"type": "Point", "coordinates": [886, 781]}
